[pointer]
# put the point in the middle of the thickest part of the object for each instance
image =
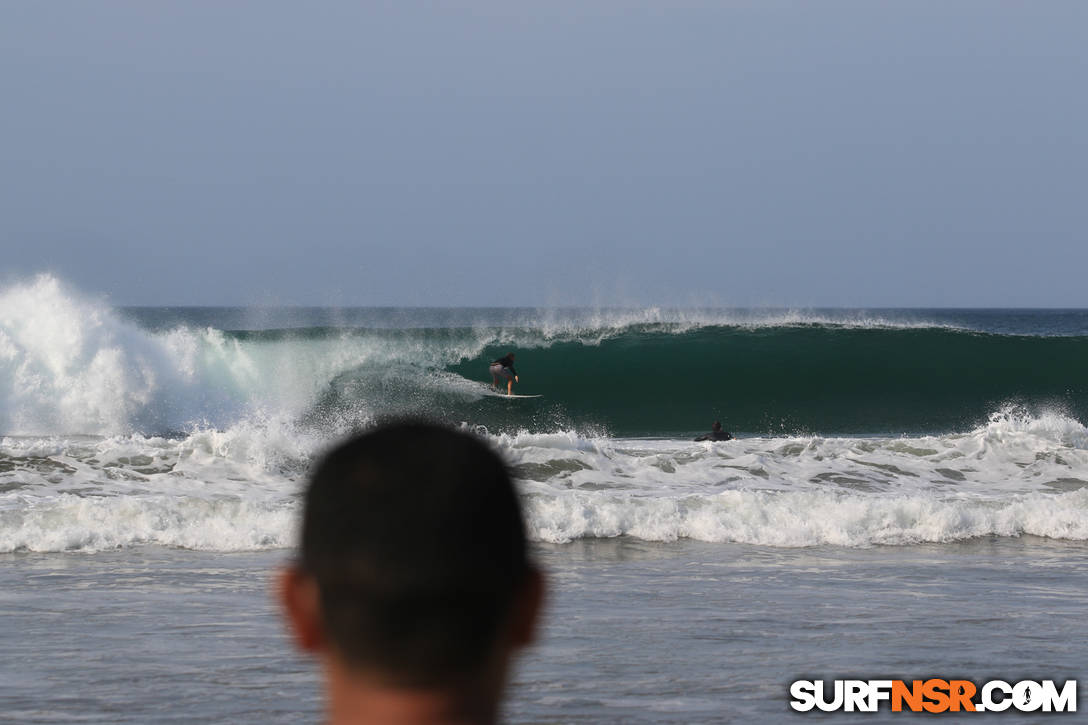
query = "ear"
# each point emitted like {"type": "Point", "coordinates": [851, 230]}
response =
{"type": "Point", "coordinates": [301, 602]}
{"type": "Point", "coordinates": [527, 607]}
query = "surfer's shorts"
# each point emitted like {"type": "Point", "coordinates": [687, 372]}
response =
{"type": "Point", "coordinates": [498, 371]}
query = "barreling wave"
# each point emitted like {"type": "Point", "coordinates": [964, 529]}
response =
{"type": "Point", "coordinates": [71, 365]}
{"type": "Point", "coordinates": [814, 378]}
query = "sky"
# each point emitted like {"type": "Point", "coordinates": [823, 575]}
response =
{"type": "Point", "coordinates": [591, 152]}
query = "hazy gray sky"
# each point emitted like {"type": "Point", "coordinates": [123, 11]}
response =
{"type": "Point", "coordinates": [863, 153]}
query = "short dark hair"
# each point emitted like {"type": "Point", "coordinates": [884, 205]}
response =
{"type": "Point", "coordinates": [414, 535]}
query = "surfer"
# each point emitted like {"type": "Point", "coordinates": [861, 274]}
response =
{"type": "Point", "coordinates": [504, 368]}
{"type": "Point", "coordinates": [716, 433]}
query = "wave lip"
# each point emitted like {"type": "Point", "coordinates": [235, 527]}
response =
{"type": "Point", "coordinates": [67, 363]}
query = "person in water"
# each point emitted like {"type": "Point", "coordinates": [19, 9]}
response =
{"type": "Point", "coordinates": [504, 368]}
{"type": "Point", "coordinates": [413, 586]}
{"type": "Point", "coordinates": [716, 433]}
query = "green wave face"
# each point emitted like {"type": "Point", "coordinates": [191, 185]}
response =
{"type": "Point", "coordinates": [797, 379]}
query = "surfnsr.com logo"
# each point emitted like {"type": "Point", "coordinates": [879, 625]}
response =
{"type": "Point", "coordinates": [933, 695]}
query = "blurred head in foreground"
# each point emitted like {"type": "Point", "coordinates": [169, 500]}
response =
{"type": "Point", "coordinates": [413, 586]}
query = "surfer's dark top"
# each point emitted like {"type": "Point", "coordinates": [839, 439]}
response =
{"type": "Point", "coordinates": [716, 435]}
{"type": "Point", "coordinates": [507, 362]}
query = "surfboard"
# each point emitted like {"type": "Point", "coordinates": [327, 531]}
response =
{"type": "Point", "coordinates": [495, 394]}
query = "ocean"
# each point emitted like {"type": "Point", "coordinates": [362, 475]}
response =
{"type": "Point", "coordinates": [907, 498]}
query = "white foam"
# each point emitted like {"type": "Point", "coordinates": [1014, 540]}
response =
{"type": "Point", "coordinates": [1016, 475]}
{"type": "Point", "coordinates": [1011, 454]}
{"type": "Point", "coordinates": [223, 490]}
{"type": "Point", "coordinates": [592, 326]}
{"type": "Point", "coordinates": [804, 518]}
{"type": "Point", "coordinates": [237, 489]}
{"type": "Point", "coordinates": [66, 363]}
{"type": "Point", "coordinates": [75, 523]}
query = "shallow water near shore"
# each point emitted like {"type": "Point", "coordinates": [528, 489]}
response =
{"type": "Point", "coordinates": [634, 631]}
